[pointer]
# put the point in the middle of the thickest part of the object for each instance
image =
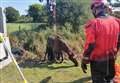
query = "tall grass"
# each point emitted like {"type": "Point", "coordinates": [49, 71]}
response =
{"type": "Point", "coordinates": [35, 39]}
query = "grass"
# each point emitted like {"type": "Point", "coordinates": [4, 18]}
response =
{"type": "Point", "coordinates": [13, 27]}
{"type": "Point", "coordinates": [46, 73]}
{"type": "Point", "coordinates": [55, 73]}
{"type": "Point", "coordinates": [9, 75]}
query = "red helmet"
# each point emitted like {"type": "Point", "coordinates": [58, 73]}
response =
{"type": "Point", "coordinates": [99, 2]}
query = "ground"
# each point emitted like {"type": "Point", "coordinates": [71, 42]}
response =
{"type": "Point", "coordinates": [46, 73]}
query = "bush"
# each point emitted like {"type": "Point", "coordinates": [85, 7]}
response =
{"type": "Point", "coordinates": [34, 42]}
{"type": "Point", "coordinates": [12, 14]}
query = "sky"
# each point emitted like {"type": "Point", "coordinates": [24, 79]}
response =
{"type": "Point", "coordinates": [113, 1]}
{"type": "Point", "coordinates": [20, 5]}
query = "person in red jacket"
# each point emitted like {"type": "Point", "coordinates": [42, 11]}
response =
{"type": "Point", "coordinates": [101, 44]}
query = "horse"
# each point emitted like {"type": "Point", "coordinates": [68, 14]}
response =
{"type": "Point", "coordinates": [56, 46]}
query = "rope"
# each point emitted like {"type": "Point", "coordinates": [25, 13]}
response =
{"type": "Point", "coordinates": [11, 55]}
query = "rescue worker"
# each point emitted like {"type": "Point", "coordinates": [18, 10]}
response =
{"type": "Point", "coordinates": [101, 44]}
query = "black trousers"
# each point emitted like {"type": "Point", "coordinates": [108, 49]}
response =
{"type": "Point", "coordinates": [102, 71]}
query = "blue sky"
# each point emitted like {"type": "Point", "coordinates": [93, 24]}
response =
{"type": "Point", "coordinates": [21, 5]}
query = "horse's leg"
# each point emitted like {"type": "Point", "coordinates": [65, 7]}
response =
{"type": "Point", "coordinates": [53, 56]}
{"type": "Point", "coordinates": [59, 57]}
{"type": "Point", "coordinates": [59, 54]}
{"type": "Point", "coordinates": [50, 54]}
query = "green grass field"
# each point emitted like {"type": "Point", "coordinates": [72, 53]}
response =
{"type": "Point", "coordinates": [13, 27]}
{"type": "Point", "coordinates": [44, 73]}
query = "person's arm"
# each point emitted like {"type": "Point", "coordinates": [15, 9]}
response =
{"type": "Point", "coordinates": [89, 41]}
{"type": "Point", "coordinates": [86, 56]}
{"type": "Point", "coordinates": [89, 45]}
{"type": "Point", "coordinates": [87, 52]}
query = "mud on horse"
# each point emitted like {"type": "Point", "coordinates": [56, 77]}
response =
{"type": "Point", "coordinates": [55, 45]}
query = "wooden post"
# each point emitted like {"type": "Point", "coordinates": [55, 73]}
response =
{"type": "Point", "coordinates": [52, 6]}
{"type": "Point", "coordinates": [54, 15]}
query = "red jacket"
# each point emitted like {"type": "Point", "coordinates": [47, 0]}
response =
{"type": "Point", "coordinates": [104, 33]}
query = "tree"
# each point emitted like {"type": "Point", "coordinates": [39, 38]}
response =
{"type": "Point", "coordinates": [25, 19]}
{"type": "Point", "coordinates": [75, 12]}
{"type": "Point", "coordinates": [37, 12]}
{"type": "Point", "coordinates": [117, 14]}
{"type": "Point", "coordinates": [12, 14]}
{"type": "Point", "coordinates": [70, 12]}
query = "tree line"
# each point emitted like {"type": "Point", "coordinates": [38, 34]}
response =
{"type": "Point", "coordinates": [68, 11]}
{"type": "Point", "coordinates": [73, 12]}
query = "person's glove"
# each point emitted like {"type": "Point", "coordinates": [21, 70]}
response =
{"type": "Point", "coordinates": [85, 61]}
{"type": "Point", "coordinates": [84, 67]}
{"type": "Point", "coordinates": [1, 38]}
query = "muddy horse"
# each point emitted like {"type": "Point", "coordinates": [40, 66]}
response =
{"type": "Point", "coordinates": [56, 46]}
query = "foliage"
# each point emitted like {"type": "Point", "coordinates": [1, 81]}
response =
{"type": "Point", "coordinates": [70, 16]}
{"type": "Point", "coordinates": [69, 11]}
{"type": "Point", "coordinates": [25, 19]}
{"type": "Point", "coordinates": [35, 41]}
{"type": "Point", "coordinates": [117, 14]}
{"type": "Point", "coordinates": [37, 12]}
{"type": "Point", "coordinates": [73, 12]}
{"type": "Point", "coordinates": [12, 14]}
